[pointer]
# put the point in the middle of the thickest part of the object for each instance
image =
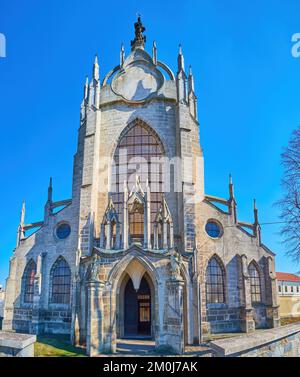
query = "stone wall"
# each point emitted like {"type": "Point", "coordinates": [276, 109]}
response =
{"type": "Point", "coordinates": [289, 306]}
{"type": "Point", "coordinates": [280, 342]}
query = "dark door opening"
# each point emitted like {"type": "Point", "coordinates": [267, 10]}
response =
{"type": "Point", "coordinates": [137, 306]}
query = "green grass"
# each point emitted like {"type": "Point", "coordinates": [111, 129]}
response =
{"type": "Point", "coordinates": [56, 346]}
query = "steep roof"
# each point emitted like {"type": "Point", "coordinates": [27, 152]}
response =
{"type": "Point", "coordinates": [284, 276]}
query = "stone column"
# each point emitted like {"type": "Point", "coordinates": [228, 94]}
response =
{"type": "Point", "coordinates": [165, 235]}
{"type": "Point", "coordinates": [36, 325]}
{"type": "Point", "coordinates": [76, 306]}
{"type": "Point", "coordinates": [102, 236]}
{"type": "Point", "coordinates": [247, 321]}
{"type": "Point", "coordinates": [118, 236]}
{"type": "Point", "coordinates": [173, 316]}
{"type": "Point", "coordinates": [98, 320]}
{"type": "Point", "coordinates": [171, 235]}
{"type": "Point", "coordinates": [272, 309]}
{"type": "Point", "coordinates": [155, 246]}
{"type": "Point", "coordinates": [108, 235]}
{"type": "Point", "coordinates": [125, 219]}
{"type": "Point", "coordinates": [10, 295]}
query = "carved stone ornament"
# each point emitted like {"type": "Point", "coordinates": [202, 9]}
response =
{"type": "Point", "coordinates": [175, 264]}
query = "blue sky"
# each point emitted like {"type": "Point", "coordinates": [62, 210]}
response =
{"type": "Point", "coordinates": [246, 79]}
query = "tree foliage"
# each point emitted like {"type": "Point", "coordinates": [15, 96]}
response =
{"type": "Point", "coordinates": [290, 203]}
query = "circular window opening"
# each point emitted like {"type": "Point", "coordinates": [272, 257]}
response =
{"type": "Point", "coordinates": [63, 231]}
{"type": "Point", "coordinates": [213, 229]}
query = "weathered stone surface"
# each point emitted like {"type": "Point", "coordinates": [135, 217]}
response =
{"type": "Point", "coordinates": [283, 341]}
{"type": "Point", "coordinates": [14, 344]}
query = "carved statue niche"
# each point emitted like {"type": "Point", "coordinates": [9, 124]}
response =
{"type": "Point", "coordinates": [109, 223]}
{"type": "Point", "coordinates": [163, 220]}
{"type": "Point", "coordinates": [93, 270]}
{"type": "Point", "coordinates": [175, 265]}
{"type": "Point", "coordinates": [140, 202]}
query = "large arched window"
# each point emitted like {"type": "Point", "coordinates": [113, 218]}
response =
{"type": "Point", "coordinates": [215, 282]}
{"type": "Point", "coordinates": [60, 282]}
{"type": "Point", "coordinates": [254, 283]}
{"type": "Point", "coordinates": [29, 275]}
{"type": "Point", "coordinates": [140, 144]}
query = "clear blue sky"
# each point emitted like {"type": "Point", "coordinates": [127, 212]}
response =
{"type": "Point", "coordinates": [246, 80]}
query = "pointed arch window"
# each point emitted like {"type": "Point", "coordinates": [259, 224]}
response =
{"type": "Point", "coordinates": [29, 276]}
{"type": "Point", "coordinates": [140, 144]}
{"type": "Point", "coordinates": [215, 282]}
{"type": "Point", "coordinates": [254, 283]}
{"type": "Point", "coordinates": [61, 282]}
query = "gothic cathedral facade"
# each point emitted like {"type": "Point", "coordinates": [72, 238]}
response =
{"type": "Point", "coordinates": [140, 249]}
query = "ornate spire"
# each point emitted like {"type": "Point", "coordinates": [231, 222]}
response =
{"type": "Point", "coordinates": [140, 39]}
{"type": "Point", "coordinates": [191, 80]}
{"type": "Point", "coordinates": [180, 59]}
{"type": "Point", "coordinates": [96, 69]}
{"type": "Point", "coordinates": [232, 201]}
{"type": "Point", "coordinates": [86, 88]}
{"type": "Point", "coordinates": [231, 187]}
{"type": "Point", "coordinates": [154, 53]}
{"type": "Point", "coordinates": [256, 226]}
{"type": "Point", "coordinates": [22, 216]}
{"type": "Point", "coordinates": [50, 191]}
{"type": "Point", "coordinates": [122, 55]}
{"type": "Point", "coordinates": [20, 230]}
{"type": "Point", "coordinates": [255, 210]}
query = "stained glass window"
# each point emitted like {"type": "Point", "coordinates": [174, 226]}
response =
{"type": "Point", "coordinates": [140, 144]}
{"type": "Point", "coordinates": [255, 283]}
{"type": "Point", "coordinates": [213, 229]}
{"type": "Point", "coordinates": [63, 230]}
{"type": "Point", "coordinates": [61, 282]}
{"type": "Point", "coordinates": [215, 283]}
{"type": "Point", "coordinates": [29, 281]}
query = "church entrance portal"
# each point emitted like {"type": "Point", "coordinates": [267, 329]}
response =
{"type": "Point", "coordinates": [137, 310]}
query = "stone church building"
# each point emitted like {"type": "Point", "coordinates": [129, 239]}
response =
{"type": "Point", "coordinates": [140, 250]}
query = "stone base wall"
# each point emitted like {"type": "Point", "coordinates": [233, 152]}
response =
{"type": "Point", "coordinates": [278, 342]}
{"type": "Point", "coordinates": [223, 320]}
{"type": "Point", "coordinates": [49, 322]}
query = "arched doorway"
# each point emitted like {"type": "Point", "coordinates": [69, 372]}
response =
{"type": "Point", "coordinates": [137, 310]}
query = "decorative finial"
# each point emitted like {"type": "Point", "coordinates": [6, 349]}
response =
{"type": "Point", "coordinates": [254, 204]}
{"type": "Point", "coordinates": [154, 53]}
{"type": "Point", "coordinates": [50, 190]}
{"type": "Point", "coordinates": [22, 217]}
{"type": "Point", "coordinates": [96, 69]}
{"type": "Point", "coordinates": [86, 88]}
{"type": "Point", "coordinates": [140, 39]}
{"type": "Point", "coordinates": [191, 80]}
{"type": "Point", "coordinates": [231, 189]}
{"type": "Point", "coordinates": [122, 55]}
{"type": "Point", "coordinates": [180, 59]}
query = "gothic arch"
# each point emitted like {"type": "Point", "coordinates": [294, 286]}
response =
{"type": "Point", "coordinates": [118, 272]}
{"type": "Point", "coordinates": [261, 278]}
{"type": "Point", "coordinates": [132, 124]}
{"type": "Point", "coordinates": [28, 276]}
{"type": "Point", "coordinates": [119, 277]}
{"type": "Point", "coordinates": [62, 282]}
{"type": "Point", "coordinates": [224, 277]}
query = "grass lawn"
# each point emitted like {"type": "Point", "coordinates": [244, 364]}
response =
{"type": "Point", "coordinates": [56, 346]}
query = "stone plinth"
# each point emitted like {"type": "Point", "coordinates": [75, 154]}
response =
{"type": "Point", "coordinates": [277, 342]}
{"type": "Point", "coordinates": [16, 345]}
